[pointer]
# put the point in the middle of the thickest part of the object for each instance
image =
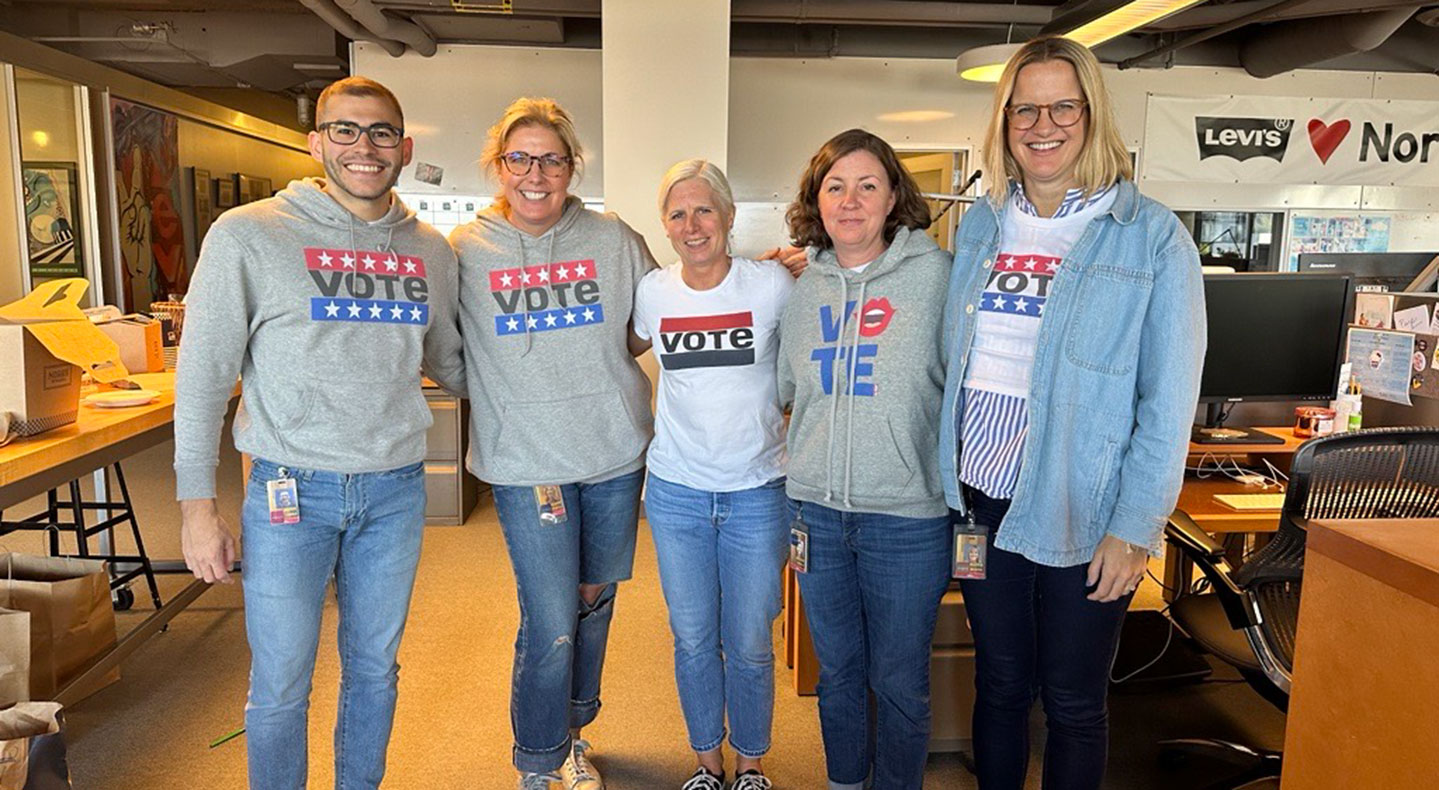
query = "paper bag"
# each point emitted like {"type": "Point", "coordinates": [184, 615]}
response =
{"type": "Point", "coordinates": [32, 748]}
{"type": "Point", "coordinates": [71, 618]}
{"type": "Point", "coordinates": [14, 657]}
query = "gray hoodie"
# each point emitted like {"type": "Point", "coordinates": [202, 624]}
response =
{"type": "Point", "coordinates": [874, 446]}
{"type": "Point", "coordinates": [326, 318]}
{"type": "Point", "coordinates": [555, 396]}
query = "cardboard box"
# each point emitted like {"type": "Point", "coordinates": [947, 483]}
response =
{"type": "Point", "coordinates": [45, 341]}
{"type": "Point", "coordinates": [141, 340]}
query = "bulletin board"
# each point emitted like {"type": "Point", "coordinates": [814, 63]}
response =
{"type": "Point", "coordinates": [1394, 332]}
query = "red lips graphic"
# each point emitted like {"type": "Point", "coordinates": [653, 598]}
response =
{"type": "Point", "coordinates": [1327, 137]}
{"type": "Point", "coordinates": [875, 317]}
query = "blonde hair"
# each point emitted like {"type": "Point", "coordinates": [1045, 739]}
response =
{"type": "Point", "coordinates": [706, 171]}
{"type": "Point", "coordinates": [1102, 160]}
{"type": "Point", "coordinates": [529, 111]}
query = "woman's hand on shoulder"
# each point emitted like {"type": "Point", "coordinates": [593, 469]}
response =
{"type": "Point", "coordinates": [792, 258]}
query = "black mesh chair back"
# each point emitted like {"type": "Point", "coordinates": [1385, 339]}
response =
{"type": "Point", "coordinates": [1377, 473]}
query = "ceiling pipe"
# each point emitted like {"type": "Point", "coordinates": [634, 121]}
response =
{"type": "Point", "coordinates": [1218, 30]}
{"type": "Point", "coordinates": [907, 13]}
{"type": "Point", "coordinates": [377, 22]}
{"type": "Point", "coordinates": [1291, 45]}
{"type": "Point", "coordinates": [349, 28]}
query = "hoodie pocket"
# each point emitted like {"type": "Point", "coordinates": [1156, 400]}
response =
{"type": "Point", "coordinates": [378, 421]}
{"type": "Point", "coordinates": [567, 440]}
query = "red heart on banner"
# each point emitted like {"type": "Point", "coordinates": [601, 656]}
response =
{"type": "Point", "coordinates": [1327, 137]}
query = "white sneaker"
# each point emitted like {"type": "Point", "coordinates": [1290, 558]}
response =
{"type": "Point", "coordinates": [577, 772]}
{"type": "Point", "coordinates": [751, 780]}
{"type": "Point", "coordinates": [537, 781]}
{"type": "Point", "coordinates": [703, 780]}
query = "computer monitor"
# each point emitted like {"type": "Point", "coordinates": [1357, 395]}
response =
{"type": "Point", "coordinates": [1272, 337]}
{"type": "Point", "coordinates": [1393, 271]}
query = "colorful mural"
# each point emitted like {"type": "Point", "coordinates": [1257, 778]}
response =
{"type": "Point", "coordinates": [147, 194]}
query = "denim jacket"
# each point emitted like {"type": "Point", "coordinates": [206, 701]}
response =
{"type": "Point", "coordinates": [1115, 381]}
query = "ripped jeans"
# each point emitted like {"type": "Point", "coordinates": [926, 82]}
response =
{"type": "Point", "coordinates": [560, 647]}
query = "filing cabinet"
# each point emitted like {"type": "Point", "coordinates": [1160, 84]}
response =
{"type": "Point", "coordinates": [451, 492]}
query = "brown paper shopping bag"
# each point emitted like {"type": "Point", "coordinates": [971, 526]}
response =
{"type": "Point", "coordinates": [71, 618]}
{"type": "Point", "coordinates": [32, 748]}
{"type": "Point", "coordinates": [14, 657]}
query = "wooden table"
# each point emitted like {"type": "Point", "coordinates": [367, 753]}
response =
{"type": "Point", "coordinates": [32, 465]}
{"type": "Point", "coordinates": [1365, 704]}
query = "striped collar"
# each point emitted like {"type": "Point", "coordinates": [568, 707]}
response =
{"type": "Point", "coordinates": [1073, 203]}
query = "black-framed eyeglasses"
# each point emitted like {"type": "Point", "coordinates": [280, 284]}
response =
{"type": "Point", "coordinates": [382, 135]}
{"type": "Point", "coordinates": [1063, 113]}
{"type": "Point", "coordinates": [520, 163]}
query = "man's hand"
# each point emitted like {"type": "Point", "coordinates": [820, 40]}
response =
{"type": "Point", "coordinates": [206, 540]}
{"type": "Point", "coordinates": [1116, 569]}
{"type": "Point", "coordinates": [792, 258]}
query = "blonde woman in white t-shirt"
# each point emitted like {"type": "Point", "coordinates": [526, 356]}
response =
{"type": "Point", "coordinates": [715, 496]}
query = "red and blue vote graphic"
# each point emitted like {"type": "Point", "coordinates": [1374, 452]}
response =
{"type": "Point", "coordinates": [368, 287]}
{"type": "Point", "coordinates": [707, 341]}
{"type": "Point", "coordinates": [1019, 285]}
{"type": "Point", "coordinates": [853, 374]}
{"type": "Point", "coordinates": [548, 296]}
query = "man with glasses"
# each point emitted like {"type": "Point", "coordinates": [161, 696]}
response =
{"type": "Point", "coordinates": [325, 300]}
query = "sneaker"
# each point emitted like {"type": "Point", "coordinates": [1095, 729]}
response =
{"type": "Point", "coordinates": [751, 780]}
{"type": "Point", "coordinates": [537, 781]}
{"type": "Point", "coordinates": [703, 780]}
{"type": "Point", "coordinates": [577, 772]}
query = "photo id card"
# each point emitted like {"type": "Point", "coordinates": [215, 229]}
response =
{"type": "Point", "coordinates": [798, 547]}
{"type": "Point", "coordinates": [284, 500]}
{"type": "Point", "coordinates": [971, 545]}
{"type": "Point", "coordinates": [550, 504]}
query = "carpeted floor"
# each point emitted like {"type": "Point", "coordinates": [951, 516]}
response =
{"type": "Point", "coordinates": [186, 687]}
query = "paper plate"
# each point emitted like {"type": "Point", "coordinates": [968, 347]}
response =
{"type": "Point", "coordinates": [119, 399]}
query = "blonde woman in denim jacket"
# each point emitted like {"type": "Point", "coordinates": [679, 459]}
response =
{"type": "Point", "coordinates": [1074, 329]}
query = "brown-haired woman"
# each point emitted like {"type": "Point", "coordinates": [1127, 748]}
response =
{"type": "Point", "coordinates": [861, 362]}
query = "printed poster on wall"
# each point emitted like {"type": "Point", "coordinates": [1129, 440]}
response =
{"type": "Point", "coordinates": [147, 195]}
{"type": "Point", "coordinates": [1381, 360]}
{"type": "Point", "coordinates": [1290, 140]}
{"type": "Point", "coordinates": [52, 219]}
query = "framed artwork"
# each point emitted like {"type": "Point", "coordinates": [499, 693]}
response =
{"type": "Point", "coordinates": [202, 202]}
{"type": "Point", "coordinates": [52, 219]}
{"type": "Point", "coordinates": [242, 188]}
{"type": "Point", "coordinates": [150, 187]}
{"type": "Point", "coordinates": [251, 188]}
{"type": "Point", "coordinates": [225, 192]}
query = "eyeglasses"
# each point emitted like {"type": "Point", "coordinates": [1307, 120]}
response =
{"type": "Point", "coordinates": [520, 163]}
{"type": "Point", "coordinates": [382, 135]}
{"type": "Point", "coordinates": [1063, 113]}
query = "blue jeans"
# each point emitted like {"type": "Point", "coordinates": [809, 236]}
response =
{"type": "Point", "coordinates": [720, 556]}
{"type": "Point", "coordinates": [872, 595]}
{"type": "Point", "coordinates": [365, 531]}
{"type": "Point", "coordinates": [560, 647]}
{"type": "Point", "coordinates": [1034, 629]}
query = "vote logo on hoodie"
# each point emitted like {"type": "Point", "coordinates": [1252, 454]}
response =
{"type": "Point", "coordinates": [873, 320]}
{"type": "Point", "coordinates": [368, 287]}
{"type": "Point", "coordinates": [559, 295]}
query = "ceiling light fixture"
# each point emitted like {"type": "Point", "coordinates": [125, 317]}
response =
{"type": "Point", "coordinates": [986, 63]}
{"type": "Point", "coordinates": [1091, 31]}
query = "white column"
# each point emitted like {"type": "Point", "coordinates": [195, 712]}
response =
{"type": "Point", "coordinates": [666, 98]}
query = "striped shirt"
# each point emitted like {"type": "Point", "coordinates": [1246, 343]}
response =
{"type": "Point", "coordinates": [995, 418]}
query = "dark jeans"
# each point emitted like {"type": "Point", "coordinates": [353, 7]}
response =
{"type": "Point", "coordinates": [1036, 633]}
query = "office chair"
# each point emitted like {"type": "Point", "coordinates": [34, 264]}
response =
{"type": "Point", "coordinates": [1249, 616]}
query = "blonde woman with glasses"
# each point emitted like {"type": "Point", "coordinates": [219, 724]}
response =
{"type": "Point", "coordinates": [1074, 332]}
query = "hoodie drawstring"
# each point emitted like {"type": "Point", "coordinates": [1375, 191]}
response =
{"type": "Point", "coordinates": [548, 282]}
{"type": "Point", "coordinates": [853, 360]}
{"type": "Point", "coordinates": [834, 387]}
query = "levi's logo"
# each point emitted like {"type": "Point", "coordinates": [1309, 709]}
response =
{"type": "Point", "coordinates": [707, 341]}
{"type": "Point", "coordinates": [1243, 138]}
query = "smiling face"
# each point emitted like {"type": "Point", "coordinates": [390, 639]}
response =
{"type": "Point", "coordinates": [535, 200]}
{"type": "Point", "coordinates": [359, 176]}
{"type": "Point", "coordinates": [695, 223]}
{"type": "Point", "coordinates": [1047, 154]}
{"type": "Point", "coordinates": [855, 198]}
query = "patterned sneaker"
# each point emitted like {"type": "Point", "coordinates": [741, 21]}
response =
{"type": "Point", "coordinates": [703, 780]}
{"type": "Point", "coordinates": [751, 780]}
{"type": "Point", "coordinates": [537, 781]}
{"type": "Point", "coordinates": [577, 772]}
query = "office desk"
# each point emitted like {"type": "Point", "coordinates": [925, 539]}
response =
{"type": "Point", "coordinates": [1362, 713]}
{"type": "Point", "coordinates": [32, 465]}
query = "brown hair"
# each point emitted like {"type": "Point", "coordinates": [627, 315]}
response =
{"type": "Point", "coordinates": [1103, 159]}
{"type": "Point", "coordinates": [806, 228]}
{"type": "Point", "coordinates": [530, 111]}
{"type": "Point", "coordinates": [357, 86]}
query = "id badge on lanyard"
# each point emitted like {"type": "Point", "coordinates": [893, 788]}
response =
{"type": "Point", "coordinates": [799, 545]}
{"type": "Point", "coordinates": [283, 497]}
{"type": "Point", "coordinates": [971, 548]}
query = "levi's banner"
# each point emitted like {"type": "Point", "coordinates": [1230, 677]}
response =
{"type": "Point", "coordinates": [1286, 140]}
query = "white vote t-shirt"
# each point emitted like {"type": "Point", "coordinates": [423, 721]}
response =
{"type": "Point", "coordinates": [718, 423]}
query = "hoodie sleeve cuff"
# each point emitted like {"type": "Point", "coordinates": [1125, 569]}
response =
{"type": "Point", "coordinates": [194, 482]}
